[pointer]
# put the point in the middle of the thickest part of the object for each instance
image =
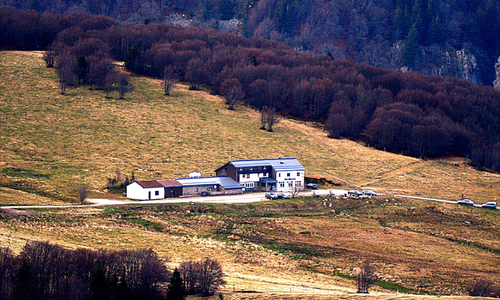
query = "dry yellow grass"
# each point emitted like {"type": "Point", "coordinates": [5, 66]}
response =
{"type": "Point", "coordinates": [81, 137]}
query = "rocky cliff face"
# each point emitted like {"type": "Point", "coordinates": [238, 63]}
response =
{"type": "Point", "coordinates": [435, 60]}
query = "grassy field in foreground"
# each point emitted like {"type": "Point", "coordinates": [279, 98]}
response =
{"type": "Point", "coordinates": [305, 246]}
{"type": "Point", "coordinates": [51, 143]}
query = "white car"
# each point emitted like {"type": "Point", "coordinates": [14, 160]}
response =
{"type": "Point", "coordinates": [465, 202]}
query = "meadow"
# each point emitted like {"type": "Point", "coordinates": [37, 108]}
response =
{"type": "Point", "coordinates": [51, 143]}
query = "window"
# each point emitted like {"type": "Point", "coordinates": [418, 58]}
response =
{"type": "Point", "coordinates": [287, 174]}
{"type": "Point", "coordinates": [298, 183]}
{"type": "Point", "coordinates": [248, 175]}
{"type": "Point", "coordinates": [157, 193]}
{"type": "Point", "coordinates": [282, 184]}
{"type": "Point", "coordinates": [298, 174]}
{"type": "Point", "coordinates": [279, 174]}
{"type": "Point", "coordinates": [290, 184]}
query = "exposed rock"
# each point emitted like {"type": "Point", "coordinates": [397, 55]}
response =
{"type": "Point", "coordinates": [496, 83]}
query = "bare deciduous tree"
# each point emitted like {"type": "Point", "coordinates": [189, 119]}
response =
{"type": "Point", "coordinates": [211, 276]}
{"type": "Point", "coordinates": [482, 288]}
{"type": "Point", "coordinates": [124, 85]}
{"type": "Point", "coordinates": [202, 277]}
{"type": "Point", "coordinates": [83, 193]}
{"type": "Point", "coordinates": [366, 277]}
{"type": "Point", "coordinates": [271, 118]}
{"type": "Point", "coordinates": [169, 79]}
{"type": "Point", "coordinates": [65, 63]}
{"type": "Point", "coordinates": [49, 57]}
{"type": "Point", "coordinates": [232, 90]}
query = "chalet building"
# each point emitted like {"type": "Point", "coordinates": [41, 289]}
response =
{"type": "Point", "coordinates": [280, 174]}
{"type": "Point", "coordinates": [173, 188]}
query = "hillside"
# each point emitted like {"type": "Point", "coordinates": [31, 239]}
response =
{"type": "Point", "coordinates": [52, 143]}
{"type": "Point", "coordinates": [449, 38]}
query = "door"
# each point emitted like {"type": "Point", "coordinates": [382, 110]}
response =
{"type": "Point", "coordinates": [149, 195]}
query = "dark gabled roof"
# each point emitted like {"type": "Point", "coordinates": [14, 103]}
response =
{"type": "Point", "coordinates": [169, 183]}
{"type": "Point", "coordinates": [276, 163]}
{"type": "Point", "coordinates": [226, 182]}
{"type": "Point", "coordinates": [149, 184]}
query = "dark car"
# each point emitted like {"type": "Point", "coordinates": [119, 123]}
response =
{"type": "Point", "coordinates": [271, 196]}
{"type": "Point", "coordinates": [465, 202]}
{"type": "Point", "coordinates": [354, 193]}
{"type": "Point", "coordinates": [283, 196]}
{"type": "Point", "coordinates": [312, 186]}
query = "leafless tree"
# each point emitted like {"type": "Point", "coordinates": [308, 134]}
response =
{"type": "Point", "coordinates": [124, 85]}
{"type": "Point", "coordinates": [169, 79]}
{"type": "Point", "coordinates": [83, 193]}
{"type": "Point", "coordinates": [271, 118]}
{"type": "Point", "coordinates": [296, 189]}
{"type": "Point", "coordinates": [65, 63]}
{"type": "Point", "coordinates": [203, 277]}
{"type": "Point", "coordinates": [263, 120]}
{"type": "Point", "coordinates": [232, 90]}
{"type": "Point", "coordinates": [49, 57]}
{"type": "Point", "coordinates": [195, 72]}
{"type": "Point", "coordinates": [482, 288]}
{"type": "Point", "coordinates": [110, 81]}
{"type": "Point", "coordinates": [189, 274]}
{"type": "Point", "coordinates": [211, 276]}
{"type": "Point", "coordinates": [366, 277]}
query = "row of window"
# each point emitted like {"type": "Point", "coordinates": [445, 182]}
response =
{"type": "Point", "coordinates": [289, 174]}
{"type": "Point", "coordinates": [249, 185]}
{"type": "Point", "coordinates": [290, 184]}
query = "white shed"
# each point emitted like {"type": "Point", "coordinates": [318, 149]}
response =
{"type": "Point", "coordinates": [145, 190]}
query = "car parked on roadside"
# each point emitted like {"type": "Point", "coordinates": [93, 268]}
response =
{"type": "Point", "coordinates": [354, 193]}
{"type": "Point", "coordinates": [271, 196]}
{"type": "Point", "coordinates": [465, 202]}
{"type": "Point", "coordinates": [369, 193]}
{"type": "Point", "coordinates": [283, 196]}
{"type": "Point", "coordinates": [312, 186]}
{"type": "Point", "coordinates": [492, 205]}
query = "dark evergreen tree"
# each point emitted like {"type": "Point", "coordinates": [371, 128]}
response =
{"type": "Point", "coordinates": [176, 287]}
{"type": "Point", "coordinates": [226, 9]}
{"type": "Point", "coordinates": [411, 46]}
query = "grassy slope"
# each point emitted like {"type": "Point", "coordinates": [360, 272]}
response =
{"type": "Point", "coordinates": [81, 137]}
{"type": "Point", "coordinates": [58, 141]}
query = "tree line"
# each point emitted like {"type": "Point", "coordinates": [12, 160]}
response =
{"type": "Point", "coordinates": [401, 112]}
{"type": "Point", "coordinates": [48, 271]}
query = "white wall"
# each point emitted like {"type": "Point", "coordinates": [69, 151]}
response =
{"type": "Point", "coordinates": [137, 192]}
{"type": "Point", "coordinates": [287, 180]}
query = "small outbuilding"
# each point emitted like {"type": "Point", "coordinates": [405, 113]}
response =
{"type": "Point", "coordinates": [145, 190]}
{"type": "Point", "coordinates": [172, 188]}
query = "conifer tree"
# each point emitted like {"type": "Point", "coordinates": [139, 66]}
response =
{"type": "Point", "coordinates": [176, 287]}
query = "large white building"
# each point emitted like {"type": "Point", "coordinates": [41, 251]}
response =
{"type": "Point", "coordinates": [279, 174]}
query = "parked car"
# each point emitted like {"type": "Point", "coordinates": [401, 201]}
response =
{"type": "Point", "coordinates": [369, 193]}
{"type": "Point", "coordinates": [465, 202]}
{"type": "Point", "coordinates": [312, 186]}
{"type": "Point", "coordinates": [490, 205]}
{"type": "Point", "coordinates": [354, 193]}
{"type": "Point", "coordinates": [283, 196]}
{"type": "Point", "coordinates": [272, 196]}
{"type": "Point", "coordinates": [204, 194]}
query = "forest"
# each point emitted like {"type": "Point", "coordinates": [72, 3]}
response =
{"type": "Point", "coordinates": [449, 38]}
{"type": "Point", "coordinates": [48, 271]}
{"type": "Point", "coordinates": [402, 112]}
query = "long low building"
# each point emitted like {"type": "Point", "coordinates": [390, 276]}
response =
{"type": "Point", "coordinates": [197, 186]}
